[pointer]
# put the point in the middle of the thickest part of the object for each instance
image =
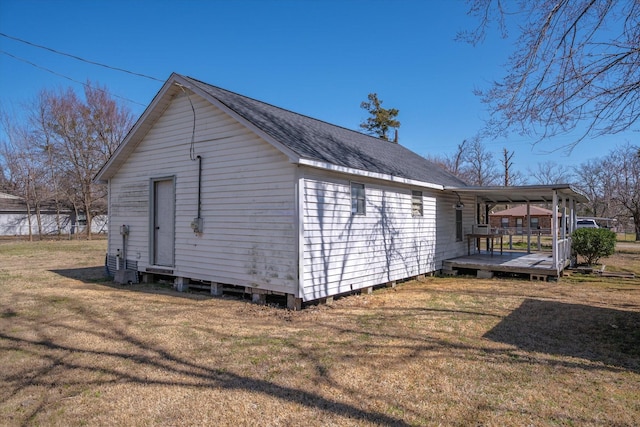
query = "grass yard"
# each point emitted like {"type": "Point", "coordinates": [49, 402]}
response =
{"type": "Point", "coordinates": [77, 350]}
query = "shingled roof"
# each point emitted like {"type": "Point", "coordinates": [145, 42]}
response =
{"type": "Point", "coordinates": [321, 141]}
{"type": "Point", "coordinates": [304, 138]}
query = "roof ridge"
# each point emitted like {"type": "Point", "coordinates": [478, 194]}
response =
{"type": "Point", "coordinates": [287, 110]}
{"type": "Point", "coordinates": [318, 140]}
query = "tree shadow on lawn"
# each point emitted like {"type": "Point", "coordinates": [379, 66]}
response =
{"type": "Point", "coordinates": [582, 331]}
{"type": "Point", "coordinates": [185, 371]}
{"type": "Point", "coordinates": [550, 327]}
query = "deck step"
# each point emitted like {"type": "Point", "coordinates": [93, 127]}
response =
{"type": "Point", "coordinates": [620, 275]}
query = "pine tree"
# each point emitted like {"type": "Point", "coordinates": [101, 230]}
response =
{"type": "Point", "coordinates": [382, 120]}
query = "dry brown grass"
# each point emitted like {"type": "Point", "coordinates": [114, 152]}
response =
{"type": "Point", "coordinates": [76, 350]}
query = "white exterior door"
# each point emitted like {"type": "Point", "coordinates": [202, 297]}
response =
{"type": "Point", "coordinates": [163, 223]}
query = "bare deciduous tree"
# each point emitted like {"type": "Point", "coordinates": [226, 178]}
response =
{"type": "Point", "coordinates": [511, 176]}
{"type": "Point", "coordinates": [453, 163]}
{"type": "Point", "coordinates": [550, 172]}
{"type": "Point", "coordinates": [24, 172]}
{"type": "Point", "coordinates": [471, 162]}
{"type": "Point", "coordinates": [56, 151]}
{"type": "Point", "coordinates": [595, 181]}
{"type": "Point", "coordinates": [624, 165]}
{"type": "Point", "coordinates": [479, 166]}
{"type": "Point", "coordinates": [83, 135]}
{"type": "Point", "coordinates": [42, 136]}
{"type": "Point", "coordinates": [575, 66]}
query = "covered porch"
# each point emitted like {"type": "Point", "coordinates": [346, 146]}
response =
{"type": "Point", "coordinates": [486, 246]}
{"type": "Point", "coordinates": [535, 265]}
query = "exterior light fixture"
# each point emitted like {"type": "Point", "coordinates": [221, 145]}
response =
{"type": "Point", "coordinates": [458, 206]}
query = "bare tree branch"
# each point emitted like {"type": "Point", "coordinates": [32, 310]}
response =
{"type": "Point", "coordinates": [575, 67]}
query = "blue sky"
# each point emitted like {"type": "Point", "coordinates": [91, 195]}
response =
{"type": "Point", "coordinates": [319, 58]}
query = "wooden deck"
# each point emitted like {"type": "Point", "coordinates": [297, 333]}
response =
{"type": "Point", "coordinates": [538, 265]}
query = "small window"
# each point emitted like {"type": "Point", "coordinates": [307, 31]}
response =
{"type": "Point", "coordinates": [458, 226]}
{"type": "Point", "coordinates": [535, 223]}
{"type": "Point", "coordinates": [416, 203]}
{"type": "Point", "coordinates": [358, 199]}
{"type": "Point", "coordinates": [504, 222]}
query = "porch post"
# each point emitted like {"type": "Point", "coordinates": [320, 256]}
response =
{"type": "Point", "coordinates": [528, 227]}
{"type": "Point", "coordinates": [486, 219]}
{"type": "Point", "coordinates": [564, 218]}
{"type": "Point", "coordinates": [570, 218]}
{"type": "Point", "coordinates": [572, 225]}
{"type": "Point", "coordinates": [554, 229]}
{"type": "Point", "coordinates": [477, 241]}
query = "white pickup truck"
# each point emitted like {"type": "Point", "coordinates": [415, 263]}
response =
{"type": "Point", "coordinates": [587, 223]}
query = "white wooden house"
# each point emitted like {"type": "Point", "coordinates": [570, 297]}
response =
{"type": "Point", "coordinates": [17, 219]}
{"type": "Point", "coordinates": [216, 188]}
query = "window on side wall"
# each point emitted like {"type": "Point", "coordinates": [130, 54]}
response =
{"type": "Point", "coordinates": [458, 225]}
{"type": "Point", "coordinates": [358, 199]}
{"type": "Point", "coordinates": [416, 203]}
{"type": "Point", "coordinates": [535, 223]}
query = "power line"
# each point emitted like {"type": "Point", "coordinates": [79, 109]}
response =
{"type": "Point", "coordinates": [79, 58]}
{"type": "Point", "coordinates": [69, 78]}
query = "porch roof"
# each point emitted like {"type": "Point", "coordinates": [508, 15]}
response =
{"type": "Point", "coordinates": [521, 193]}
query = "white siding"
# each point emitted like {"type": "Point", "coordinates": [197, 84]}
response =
{"type": "Point", "coordinates": [447, 246]}
{"type": "Point", "coordinates": [344, 252]}
{"type": "Point", "coordinates": [248, 199]}
{"type": "Point", "coordinates": [17, 224]}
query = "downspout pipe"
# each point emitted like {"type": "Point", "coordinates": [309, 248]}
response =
{"type": "Point", "coordinates": [199, 186]}
{"type": "Point", "coordinates": [124, 249]}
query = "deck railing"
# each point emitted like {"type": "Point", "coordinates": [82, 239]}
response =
{"type": "Point", "coordinates": [564, 253]}
{"type": "Point", "coordinates": [521, 231]}
{"type": "Point", "coordinates": [539, 239]}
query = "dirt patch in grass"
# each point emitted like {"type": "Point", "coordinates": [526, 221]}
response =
{"type": "Point", "coordinates": [77, 350]}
